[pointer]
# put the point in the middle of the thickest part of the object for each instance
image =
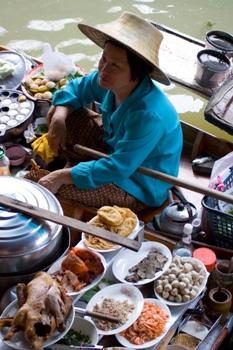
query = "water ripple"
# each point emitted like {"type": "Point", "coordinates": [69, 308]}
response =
{"type": "Point", "coordinates": [48, 26]}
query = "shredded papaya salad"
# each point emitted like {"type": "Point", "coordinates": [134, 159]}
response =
{"type": "Point", "coordinates": [149, 325]}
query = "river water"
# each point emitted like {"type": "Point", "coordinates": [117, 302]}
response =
{"type": "Point", "coordinates": [28, 24]}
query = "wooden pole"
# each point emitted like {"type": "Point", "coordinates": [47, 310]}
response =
{"type": "Point", "coordinates": [164, 177]}
{"type": "Point", "coordinates": [44, 214]}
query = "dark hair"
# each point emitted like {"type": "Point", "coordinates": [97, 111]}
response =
{"type": "Point", "coordinates": [138, 66]}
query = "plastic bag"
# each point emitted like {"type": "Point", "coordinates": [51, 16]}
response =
{"type": "Point", "coordinates": [57, 65]}
{"type": "Point", "coordinates": [220, 171]}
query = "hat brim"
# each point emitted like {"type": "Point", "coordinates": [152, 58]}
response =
{"type": "Point", "coordinates": [99, 37]}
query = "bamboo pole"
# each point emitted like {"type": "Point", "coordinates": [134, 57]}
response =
{"type": "Point", "coordinates": [164, 177]}
{"type": "Point", "coordinates": [66, 221]}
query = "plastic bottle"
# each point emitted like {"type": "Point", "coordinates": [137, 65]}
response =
{"type": "Point", "coordinates": [4, 163]}
{"type": "Point", "coordinates": [184, 247]}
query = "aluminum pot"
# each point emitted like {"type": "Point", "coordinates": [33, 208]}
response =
{"type": "Point", "coordinates": [15, 114]}
{"type": "Point", "coordinates": [8, 283]}
{"type": "Point", "coordinates": [27, 244]}
{"type": "Point", "coordinates": [212, 68]}
{"type": "Point", "coordinates": [220, 41]}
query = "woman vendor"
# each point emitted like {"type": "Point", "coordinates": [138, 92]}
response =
{"type": "Point", "coordinates": [138, 127]}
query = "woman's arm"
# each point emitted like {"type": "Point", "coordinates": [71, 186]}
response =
{"type": "Point", "coordinates": [56, 179]}
{"type": "Point", "coordinates": [57, 128]}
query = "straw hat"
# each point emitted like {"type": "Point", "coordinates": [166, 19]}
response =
{"type": "Point", "coordinates": [136, 34]}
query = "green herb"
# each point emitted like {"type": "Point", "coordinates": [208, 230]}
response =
{"type": "Point", "coordinates": [73, 337]}
{"type": "Point", "coordinates": [91, 292]}
{"type": "Point", "coordinates": [41, 129]}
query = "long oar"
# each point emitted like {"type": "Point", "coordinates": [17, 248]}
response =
{"type": "Point", "coordinates": [164, 177]}
{"type": "Point", "coordinates": [66, 221]}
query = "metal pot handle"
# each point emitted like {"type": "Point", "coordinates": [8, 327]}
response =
{"type": "Point", "coordinates": [178, 194]}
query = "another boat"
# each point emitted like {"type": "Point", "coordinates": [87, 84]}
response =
{"type": "Point", "coordinates": [178, 58]}
{"type": "Point", "coordinates": [219, 109]}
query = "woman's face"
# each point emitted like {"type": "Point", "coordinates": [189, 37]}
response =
{"type": "Point", "coordinates": [114, 69]}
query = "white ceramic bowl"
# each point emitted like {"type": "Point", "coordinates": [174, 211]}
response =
{"type": "Point", "coordinates": [86, 327]}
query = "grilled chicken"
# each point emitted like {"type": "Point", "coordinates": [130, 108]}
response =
{"type": "Point", "coordinates": [43, 307]}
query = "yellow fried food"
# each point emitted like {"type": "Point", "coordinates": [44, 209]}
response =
{"type": "Point", "coordinates": [98, 243]}
{"type": "Point", "coordinates": [110, 215]}
{"type": "Point", "coordinates": [125, 228]}
{"type": "Point", "coordinates": [128, 223]}
{"type": "Point", "coordinates": [125, 212]}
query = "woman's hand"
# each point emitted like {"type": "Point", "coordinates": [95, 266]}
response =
{"type": "Point", "coordinates": [57, 128]}
{"type": "Point", "coordinates": [56, 179]}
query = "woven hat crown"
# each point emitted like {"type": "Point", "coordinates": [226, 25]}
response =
{"type": "Point", "coordinates": [134, 33]}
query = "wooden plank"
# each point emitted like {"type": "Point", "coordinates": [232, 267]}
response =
{"type": "Point", "coordinates": [37, 212]}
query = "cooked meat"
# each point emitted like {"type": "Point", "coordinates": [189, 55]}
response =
{"type": "Point", "coordinates": [147, 267]}
{"type": "Point", "coordinates": [45, 309]}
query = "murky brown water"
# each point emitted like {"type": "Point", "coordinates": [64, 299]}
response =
{"type": "Point", "coordinates": [28, 24]}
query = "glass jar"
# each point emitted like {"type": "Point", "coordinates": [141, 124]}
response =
{"type": "Point", "coordinates": [4, 162]}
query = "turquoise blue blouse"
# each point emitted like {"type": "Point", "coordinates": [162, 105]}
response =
{"type": "Point", "coordinates": [143, 131]}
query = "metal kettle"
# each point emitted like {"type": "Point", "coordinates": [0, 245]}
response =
{"type": "Point", "coordinates": [176, 214]}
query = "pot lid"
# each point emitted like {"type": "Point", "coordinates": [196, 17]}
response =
{"type": "Point", "coordinates": [12, 112]}
{"type": "Point", "coordinates": [220, 40]}
{"type": "Point", "coordinates": [19, 233]}
{"type": "Point", "coordinates": [13, 81]}
{"type": "Point", "coordinates": [179, 212]}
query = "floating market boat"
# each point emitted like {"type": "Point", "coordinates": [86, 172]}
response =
{"type": "Point", "coordinates": [197, 145]}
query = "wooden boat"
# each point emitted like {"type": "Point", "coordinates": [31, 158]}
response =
{"type": "Point", "coordinates": [196, 143]}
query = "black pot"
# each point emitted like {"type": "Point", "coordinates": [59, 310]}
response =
{"type": "Point", "coordinates": [212, 69]}
{"type": "Point", "coordinates": [220, 41]}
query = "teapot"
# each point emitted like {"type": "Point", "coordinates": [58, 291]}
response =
{"type": "Point", "coordinates": [176, 215]}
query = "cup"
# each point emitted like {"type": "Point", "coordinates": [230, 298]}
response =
{"type": "Point", "coordinates": [219, 301]}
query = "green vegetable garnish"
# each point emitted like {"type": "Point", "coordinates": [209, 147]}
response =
{"type": "Point", "coordinates": [41, 129]}
{"type": "Point", "coordinates": [73, 337]}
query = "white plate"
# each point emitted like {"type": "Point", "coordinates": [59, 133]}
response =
{"type": "Point", "coordinates": [132, 235]}
{"type": "Point", "coordinates": [123, 341]}
{"type": "Point", "coordinates": [224, 206]}
{"type": "Point", "coordinates": [57, 266]}
{"type": "Point", "coordinates": [18, 341]}
{"type": "Point", "coordinates": [201, 287]}
{"type": "Point", "coordinates": [128, 258]}
{"type": "Point", "coordinates": [119, 292]}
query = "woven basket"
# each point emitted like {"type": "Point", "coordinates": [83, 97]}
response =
{"type": "Point", "coordinates": [35, 174]}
